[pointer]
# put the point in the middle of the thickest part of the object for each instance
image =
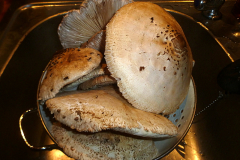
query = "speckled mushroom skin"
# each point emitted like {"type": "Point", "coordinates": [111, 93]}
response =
{"type": "Point", "coordinates": [148, 53]}
{"type": "Point", "coordinates": [103, 145]}
{"type": "Point", "coordinates": [100, 70]}
{"type": "Point", "coordinates": [105, 109]}
{"type": "Point", "coordinates": [65, 67]}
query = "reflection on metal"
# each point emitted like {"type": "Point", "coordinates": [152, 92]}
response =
{"type": "Point", "coordinates": [236, 34]}
{"type": "Point", "coordinates": [210, 8]}
{"type": "Point", "coordinates": [6, 57]}
{"type": "Point", "coordinates": [220, 44]}
{"type": "Point", "coordinates": [192, 147]}
{"type": "Point", "coordinates": [47, 147]}
{"type": "Point", "coordinates": [56, 154]}
{"type": "Point", "coordinates": [202, 25]}
{"type": "Point", "coordinates": [20, 126]}
{"type": "Point", "coordinates": [181, 149]}
{"type": "Point", "coordinates": [188, 145]}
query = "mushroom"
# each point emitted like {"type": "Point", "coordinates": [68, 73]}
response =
{"type": "Point", "coordinates": [97, 42]}
{"type": "Point", "coordinates": [99, 81]}
{"type": "Point", "coordinates": [102, 145]}
{"type": "Point", "coordinates": [67, 66]}
{"type": "Point", "coordinates": [78, 26]}
{"type": "Point", "coordinates": [100, 70]}
{"type": "Point", "coordinates": [149, 56]}
{"type": "Point", "coordinates": [105, 109]}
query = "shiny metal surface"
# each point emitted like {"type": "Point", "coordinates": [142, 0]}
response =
{"type": "Point", "coordinates": [214, 133]}
{"type": "Point", "coordinates": [210, 8]}
{"type": "Point", "coordinates": [47, 147]}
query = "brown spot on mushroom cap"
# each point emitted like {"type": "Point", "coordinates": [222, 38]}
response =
{"type": "Point", "coordinates": [100, 70]}
{"type": "Point", "coordinates": [102, 145]}
{"type": "Point", "coordinates": [67, 66]}
{"type": "Point", "coordinates": [141, 68]}
{"type": "Point", "coordinates": [110, 111]}
{"type": "Point", "coordinates": [179, 43]}
{"type": "Point", "coordinates": [123, 58]}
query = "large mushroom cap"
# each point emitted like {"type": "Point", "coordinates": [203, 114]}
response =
{"type": "Point", "coordinates": [80, 25]}
{"type": "Point", "coordinates": [67, 66]}
{"type": "Point", "coordinates": [147, 52]}
{"type": "Point", "coordinates": [102, 145]}
{"type": "Point", "coordinates": [105, 109]}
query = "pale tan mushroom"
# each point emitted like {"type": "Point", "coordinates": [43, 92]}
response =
{"type": "Point", "coordinates": [103, 145]}
{"type": "Point", "coordinates": [100, 70]}
{"type": "Point", "coordinates": [105, 109]}
{"type": "Point", "coordinates": [67, 66]}
{"type": "Point", "coordinates": [149, 56]}
{"type": "Point", "coordinates": [99, 81]}
{"type": "Point", "coordinates": [80, 25]}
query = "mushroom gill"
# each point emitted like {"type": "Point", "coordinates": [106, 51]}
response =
{"type": "Point", "coordinates": [78, 26]}
{"type": "Point", "coordinates": [97, 41]}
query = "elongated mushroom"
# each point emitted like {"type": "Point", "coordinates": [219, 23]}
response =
{"type": "Point", "coordinates": [100, 70]}
{"type": "Point", "coordinates": [99, 81]}
{"type": "Point", "coordinates": [103, 145]}
{"type": "Point", "coordinates": [104, 109]}
{"type": "Point", "coordinates": [78, 26]}
{"type": "Point", "coordinates": [149, 56]}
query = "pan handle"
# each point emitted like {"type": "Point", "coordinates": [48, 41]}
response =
{"type": "Point", "coordinates": [47, 147]}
